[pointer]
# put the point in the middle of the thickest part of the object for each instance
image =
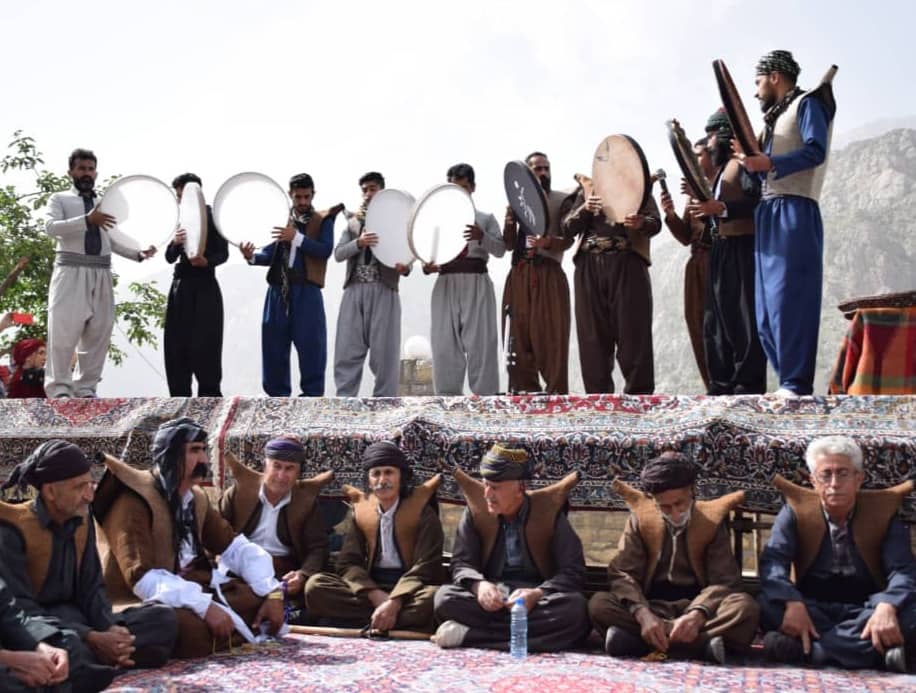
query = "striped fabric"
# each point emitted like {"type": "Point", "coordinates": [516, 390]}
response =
{"type": "Point", "coordinates": [878, 355]}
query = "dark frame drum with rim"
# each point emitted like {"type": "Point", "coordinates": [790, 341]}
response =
{"type": "Point", "coordinates": [145, 211]}
{"type": "Point", "coordinates": [437, 223]}
{"type": "Point", "coordinates": [247, 204]}
{"type": "Point", "coordinates": [388, 216]}
{"type": "Point", "coordinates": [734, 108]}
{"type": "Point", "coordinates": [526, 197]}
{"type": "Point", "coordinates": [192, 217]}
{"type": "Point", "coordinates": [620, 177]}
{"type": "Point", "coordinates": [687, 161]}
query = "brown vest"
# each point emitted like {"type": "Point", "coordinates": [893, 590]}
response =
{"type": "Point", "coordinates": [118, 476]}
{"type": "Point", "coordinates": [546, 503]}
{"type": "Point", "coordinates": [246, 500]}
{"type": "Point", "coordinates": [406, 518]}
{"type": "Point", "coordinates": [701, 529]}
{"type": "Point", "coordinates": [874, 510]}
{"type": "Point", "coordinates": [39, 542]}
{"type": "Point", "coordinates": [316, 267]}
{"type": "Point", "coordinates": [730, 191]}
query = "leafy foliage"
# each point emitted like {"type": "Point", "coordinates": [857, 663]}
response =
{"type": "Point", "coordinates": [23, 221]}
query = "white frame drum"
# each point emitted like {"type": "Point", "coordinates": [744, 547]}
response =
{"type": "Point", "coordinates": [387, 217]}
{"type": "Point", "coordinates": [438, 221]}
{"type": "Point", "coordinates": [244, 215]}
{"type": "Point", "coordinates": [141, 220]}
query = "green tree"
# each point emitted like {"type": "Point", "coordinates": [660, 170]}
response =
{"type": "Point", "coordinates": [22, 219]}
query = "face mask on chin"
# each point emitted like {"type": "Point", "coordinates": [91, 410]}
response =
{"type": "Point", "coordinates": [682, 523]}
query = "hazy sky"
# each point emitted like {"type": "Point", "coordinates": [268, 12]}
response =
{"type": "Point", "coordinates": [409, 88]}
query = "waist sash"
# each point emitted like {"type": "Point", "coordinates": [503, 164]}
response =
{"type": "Point", "coordinates": [62, 258]}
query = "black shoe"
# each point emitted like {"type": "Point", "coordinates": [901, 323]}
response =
{"type": "Point", "coordinates": [895, 660]}
{"type": "Point", "coordinates": [781, 648]}
{"type": "Point", "coordinates": [620, 643]}
{"type": "Point", "coordinates": [714, 650]}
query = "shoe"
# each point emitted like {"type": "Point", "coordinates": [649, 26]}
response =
{"type": "Point", "coordinates": [786, 393]}
{"type": "Point", "coordinates": [621, 643]}
{"type": "Point", "coordinates": [714, 650]}
{"type": "Point", "coordinates": [895, 660]}
{"type": "Point", "coordinates": [783, 649]}
{"type": "Point", "coordinates": [450, 634]}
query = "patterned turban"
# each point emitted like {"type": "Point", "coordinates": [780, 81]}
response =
{"type": "Point", "coordinates": [53, 460]}
{"type": "Point", "coordinates": [285, 449]}
{"type": "Point", "coordinates": [505, 464]}
{"type": "Point", "coordinates": [778, 61]}
{"type": "Point", "coordinates": [668, 471]}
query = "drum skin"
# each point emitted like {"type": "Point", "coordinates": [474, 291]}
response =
{"type": "Point", "coordinates": [387, 217]}
{"type": "Point", "coordinates": [620, 176]}
{"type": "Point", "coordinates": [734, 107]}
{"type": "Point", "coordinates": [437, 223]}
{"type": "Point", "coordinates": [248, 206]}
{"type": "Point", "coordinates": [192, 217]}
{"type": "Point", "coordinates": [145, 211]}
{"type": "Point", "coordinates": [526, 197]}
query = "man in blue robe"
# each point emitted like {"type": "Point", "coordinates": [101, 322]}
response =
{"type": "Point", "coordinates": [789, 233]}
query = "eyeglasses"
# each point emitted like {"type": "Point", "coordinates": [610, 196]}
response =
{"type": "Point", "coordinates": [841, 475]}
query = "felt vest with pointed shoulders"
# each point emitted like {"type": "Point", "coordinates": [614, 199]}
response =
{"type": "Point", "coordinates": [730, 190]}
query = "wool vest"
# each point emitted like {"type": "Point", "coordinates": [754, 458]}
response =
{"type": "Point", "coordinates": [246, 501]}
{"type": "Point", "coordinates": [701, 528]}
{"type": "Point", "coordinates": [406, 519]}
{"type": "Point", "coordinates": [730, 190]}
{"type": "Point", "coordinates": [546, 504]}
{"type": "Point", "coordinates": [874, 510]}
{"type": "Point", "coordinates": [787, 139]}
{"type": "Point", "coordinates": [39, 541]}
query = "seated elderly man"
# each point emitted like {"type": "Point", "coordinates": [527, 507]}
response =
{"type": "Point", "coordinates": [513, 544]}
{"type": "Point", "coordinates": [391, 562]}
{"type": "Point", "coordinates": [158, 531]}
{"type": "Point", "coordinates": [51, 565]}
{"type": "Point", "coordinates": [852, 602]}
{"type": "Point", "coordinates": [279, 512]}
{"type": "Point", "coordinates": [675, 586]}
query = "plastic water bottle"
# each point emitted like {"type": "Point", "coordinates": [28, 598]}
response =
{"type": "Point", "coordinates": [518, 638]}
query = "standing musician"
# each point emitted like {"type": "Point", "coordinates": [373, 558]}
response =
{"type": "Point", "coordinates": [536, 296]}
{"type": "Point", "coordinates": [734, 358]}
{"type": "Point", "coordinates": [293, 307]}
{"type": "Point", "coordinates": [369, 320]}
{"type": "Point", "coordinates": [81, 296]}
{"type": "Point", "coordinates": [613, 294]}
{"type": "Point", "coordinates": [693, 231]}
{"type": "Point", "coordinates": [463, 320]}
{"type": "Point", "coordinates": [193, 337]}
{"type": "Point", "coordinates": [789, 235]}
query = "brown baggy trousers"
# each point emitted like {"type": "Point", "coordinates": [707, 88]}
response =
{"type": "Point", "coordinates": [696, 273]}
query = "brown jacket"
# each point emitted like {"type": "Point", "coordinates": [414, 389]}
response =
{"type": "Point", "coordinates": [137, 532]}
{"type": "Point", "coordinates": [418, 537]}
{"type": "Point", "coordinates": [709, 556]}
{"type": "Point", "coordinates": [582, 223]}
{"type": "Point", "coordinates": [733, 195]}
{"type": "Point", "coordinates": [299, 523]}
{"type": "Point", "coordinates": [875, 509]}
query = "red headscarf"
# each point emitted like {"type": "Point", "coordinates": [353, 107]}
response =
{"type": "Point", "coordinates": [25, 348]}
{"type": "Point", "coordinates": [21, 351]}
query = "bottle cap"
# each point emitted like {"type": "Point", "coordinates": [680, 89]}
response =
{"type": "Point", "coordinates": [520, 601]}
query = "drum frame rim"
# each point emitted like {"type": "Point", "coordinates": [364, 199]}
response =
{"type": "Point", "coordinates": [735, 109]}
{"type": "Point", "coordinates": [419, 203]}
{"type": "Point", "coordinates": [204, 221]}
{"type": "Point", "coordinates": [541, 194]}
{"type": "Point", "coordinates": [675, 134]}
{"type": "Point", "coordinates": [647, 176]}
{"type": "Point", "coordinates": [412, 201]}
{"type": "Point", "coordinates": [216, 198]}
{"type": "Point", "coordinates": [144, 176]}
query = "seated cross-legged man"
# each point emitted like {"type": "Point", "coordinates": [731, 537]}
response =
{"type": "Point", "coordinates": [158, 531]}
{"type": "Point", "coordinates": [391, 562]}
{"type": "Point", "coordinates": [279, 512]}
{"type": "Point", "coordinates": [675, 586]}
{"type": "Point", "coordinates": [513, 544]}
{"type": "Point", "coordinates": [852, 602]}
{"type": "Point", "coordinates": [51, 565]}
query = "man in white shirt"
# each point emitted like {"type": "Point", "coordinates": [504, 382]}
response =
{"type": "Point", "coordinates": [157, 528]}
{"type": "Point", "coordinates": [391, 562]}
{"type": "Point", "coordinates": [279, 512]}
{"type": "Point", "coordinates": [81, 296]}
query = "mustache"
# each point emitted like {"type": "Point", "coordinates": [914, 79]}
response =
{"type": "Point", "coordinates": [383, 486]}
{"type": "Point", "coordinates": [200, 471]}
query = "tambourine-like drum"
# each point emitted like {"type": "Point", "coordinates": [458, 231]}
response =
{"type": "Point", "coordinates": [248, 206]}
{"type": "Point", "coordinates": [145, 211]}
{"type": "Point", "coordinates": [734, 107]}
{"type": "Point", "coordinates": [387, 217]}
{"type": "Point", "coordinates": [526, 197]}
{"type": "Point", "coordinates": [697, 182]}
{"type": "Point", "coordinates": [437, 223]}
{"type": "Point", "coordinates": [192, 217]}
{"type": "Point", "coordinates": [620, 176]}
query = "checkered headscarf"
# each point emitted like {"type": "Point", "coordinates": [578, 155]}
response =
{"type": "Point", "coordinates": [778, 61]}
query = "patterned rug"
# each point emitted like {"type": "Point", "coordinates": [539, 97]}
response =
{"type": "Point", "coordinates": [739, 442]}
{"type": "Point", "coordinates": [309, 663]}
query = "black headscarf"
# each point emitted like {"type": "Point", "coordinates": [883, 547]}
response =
{"type": "Point", "coordinates": [386, 453]}
{"type": "Point", "coordinates": [505, 464]}
{"type": "Point", "coordinates": [53, 460]}
{"type": "Point", "coordinates": [668, 471]}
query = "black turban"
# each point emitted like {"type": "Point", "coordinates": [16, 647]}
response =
{"type": "Point", "coordinates": [505, 464]}
{"type": "Point", "coordinates": [719, 124]}
{"type": "Point", "coordinates": [668, 471]}
{"type": "Point", "coordinates": [54, 460]}
{"type": "Point", "coordinates": [285, 450]}
{"type": "Point", "coordinates": [778, 61]}
{"type": "Point", "coordinates": [385, 454]}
